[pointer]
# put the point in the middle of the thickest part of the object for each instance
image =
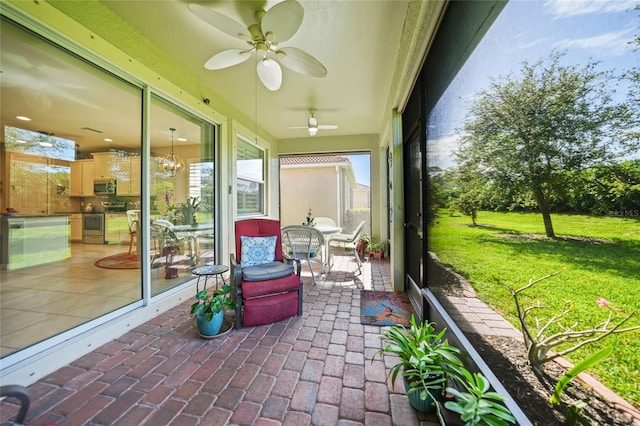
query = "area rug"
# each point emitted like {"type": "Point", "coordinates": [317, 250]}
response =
{"type": "Point", "coordinates": [119, 261]}
{"type": "Point", "coordinates": [385, 308]}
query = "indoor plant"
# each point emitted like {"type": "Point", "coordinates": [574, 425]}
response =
{"type": "Point", "coordinates": [187, 211]}
{"type": "Point", "coordinates": [427, 361]}
{"type": "Point", "coordinates": [209, 309]}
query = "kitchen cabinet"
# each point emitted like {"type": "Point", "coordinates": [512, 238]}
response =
{"type": "Point", "coordinates": [128, 177]}
{"type": "Point", "coordinates": [106, 165]}
{"type": "Point", "coordinates": [82, 175]}
{"type": "Point", "coordinates": [75, 223]}
{"type": "Point", "coordinates": [136, 171]}
{"type": "Point", "coordinates": [116, 228]}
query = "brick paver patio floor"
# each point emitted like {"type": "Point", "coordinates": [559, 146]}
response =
{"type": "Point", "coordinates": [317, 369]}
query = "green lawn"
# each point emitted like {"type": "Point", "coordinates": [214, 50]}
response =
{"type": "Point", "coordinates": [602, 260]}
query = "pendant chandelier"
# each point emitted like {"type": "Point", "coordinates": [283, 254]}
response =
{"type": "Point", "coordinates": [172, 163]}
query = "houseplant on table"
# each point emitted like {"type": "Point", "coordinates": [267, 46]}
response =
{"type": "Point", "coordinates": [426, 362]}
{"type": "Point", "coordinates": [209, 309]}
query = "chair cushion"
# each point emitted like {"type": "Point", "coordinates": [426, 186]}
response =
{"type": "Point", "coordinates": [258, 289]}
{"type": "Point", "coordinates": [269, 309]}
{"type": "Point", "coordinates": [257, 250]}
{"type": "Point", "coordinates": [266, 271]}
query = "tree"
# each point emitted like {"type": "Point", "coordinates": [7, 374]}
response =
{"type": "Point", "coordinates": [471, 187]}
{"type": "Point", "coordinates": [529, 130]}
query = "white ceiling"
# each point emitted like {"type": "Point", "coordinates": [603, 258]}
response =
{"type": "Point", "coordinates": [356, 40]}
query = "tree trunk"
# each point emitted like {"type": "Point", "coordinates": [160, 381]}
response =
{"type": "Point", "coordinates": [543, 205]}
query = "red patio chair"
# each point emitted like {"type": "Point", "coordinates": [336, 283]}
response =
{"type": "Point", "coordinates": [267, 288]}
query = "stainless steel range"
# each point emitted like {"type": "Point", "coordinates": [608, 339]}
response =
{"type": "Point", "coordinates": [93, 228]}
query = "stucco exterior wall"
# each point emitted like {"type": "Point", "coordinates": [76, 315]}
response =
{"type": "Point", "coordinates": [302, 188]}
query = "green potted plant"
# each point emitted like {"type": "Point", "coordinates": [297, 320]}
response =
{"type": "Point", "coordinates": [475, 403]}
{"type": "Point", "coordinates": [363, 242]}
{"type": "Point", "coordinates": [376, 248]}
{"type": "Point", "coordinates": [187, 211]}
{"type": "Point", "coordinates": [426, 362]}
{"type": "Point", "coordinates": [209, 309]}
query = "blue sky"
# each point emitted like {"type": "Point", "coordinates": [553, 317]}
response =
{"type": "Point", "coordinates": [597, 30]}
{"type": "Point", "coordinates": [361, 166]}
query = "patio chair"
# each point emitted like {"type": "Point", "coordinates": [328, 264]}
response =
{"type": "Point", "coordinates": [350, 241]}
{"type": "Point", "coordinates": [267, 289]}
{"type": "Point", "coordinates": [303, 243]}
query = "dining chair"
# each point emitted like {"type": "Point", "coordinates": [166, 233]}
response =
{"type": "Point", "coordinates": [132, 219]}
{"type": "Point", "coordinates": [350, 241]}
{"type": "Point", "coordinates": [303, 243]}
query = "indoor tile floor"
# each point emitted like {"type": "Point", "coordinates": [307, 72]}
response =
{"type": "Point", "coordinates": [318, 369]}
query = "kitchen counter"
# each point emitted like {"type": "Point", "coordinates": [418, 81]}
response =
{"type": "Point", "coordinates": [31, 240]}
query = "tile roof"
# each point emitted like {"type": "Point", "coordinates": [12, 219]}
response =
{"type": "Point", "coordinates": [313, 159]}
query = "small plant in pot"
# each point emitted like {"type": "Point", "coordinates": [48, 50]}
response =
{"type": "Point", "coordinates": [426, 362]}
{"type": "Point", "coordinates": [376, 248]}
{"type": "Point", "coordinates": [209, 309]}
{"type": "Point", "coordinates": [363, 242]}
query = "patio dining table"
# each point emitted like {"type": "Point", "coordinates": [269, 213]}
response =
{"type": "Point", "coordinates": [327, 231]}
{"type": "Point", "coordinates": [190, 233]}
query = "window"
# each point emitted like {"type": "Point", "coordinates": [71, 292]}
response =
{"type": "Point", "coordinates": [250, 182]}
{"type": "Point", "coordinates": [73, 114]}
{"type": "Point", "coordinates": [201, 185]}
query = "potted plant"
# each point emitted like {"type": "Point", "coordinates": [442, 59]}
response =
{"type": "Point", "coordinates": [475, 403]}
{"type": "Point", "coordinates": [187, 211]}
{"type": "Point", "coordinates": [209, 309]}
{"type": "Point", "coordinates": [309, 220]}
{"type": "Point", "coordinates": [363, 242]}
{"type": "Point", "coordinates": [426, 362]}
{"type": "Point", "coordinates": [376, 248]}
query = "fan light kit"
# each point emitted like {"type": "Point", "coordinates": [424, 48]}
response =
{"type": "Point", "coordinates": [172, 163]}
{"type": "Point", "coordinates": [274, 26]}
{"type": "Point", "coordinates": [313, 126]}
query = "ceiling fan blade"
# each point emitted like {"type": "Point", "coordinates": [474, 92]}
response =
{"type": "Point", "coordinates": [270, 74]}
{"type": "Point", "coordinates": [327, 126]}
{"type": "Point", "coordinates": [301, 62]}
{"type": "Point", "coordinates": [220, 21]}
{"type": "Point", "coordinates": [227, 58]}
{"type": "Point", "coordinates": [283, 20]}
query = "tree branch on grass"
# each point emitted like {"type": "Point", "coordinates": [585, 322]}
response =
{"type": "Point", "coordinates": [540, 346]}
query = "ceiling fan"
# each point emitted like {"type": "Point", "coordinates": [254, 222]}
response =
{"type": "Point", "coordinates": [274, 26]}
{"type": "Point", "coordinates": [313, 126]}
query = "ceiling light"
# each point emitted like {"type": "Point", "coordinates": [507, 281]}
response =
{"type": "Point", "coordinates": [108, 140]}
{"type": "Point", "coordinates": [313, 131]}
{"type": "Point", "coordinates": [171, 163]}
{"type": "Point", "coordinates": [23, 118]}
{"type": "Point", "coordinates": [181, 139]}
